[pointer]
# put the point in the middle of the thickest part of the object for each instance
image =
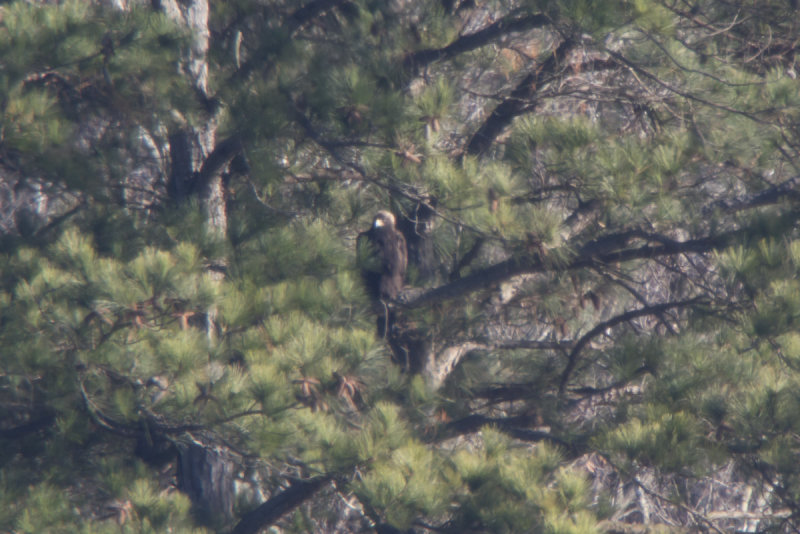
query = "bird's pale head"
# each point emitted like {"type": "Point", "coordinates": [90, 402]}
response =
{"type": "Point", "coordinates": [384, 219]}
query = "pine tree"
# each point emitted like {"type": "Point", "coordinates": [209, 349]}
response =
{"type": "Point", "coordinates": [599, 326]}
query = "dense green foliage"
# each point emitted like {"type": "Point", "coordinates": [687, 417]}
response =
{"type": "Point", "coordinates": [604, 294]}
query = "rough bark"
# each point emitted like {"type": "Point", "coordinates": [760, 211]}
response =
{"type": "Point", "coordinates": [191, 148]}
{"type": "Point", "coordinates": [206, 474]}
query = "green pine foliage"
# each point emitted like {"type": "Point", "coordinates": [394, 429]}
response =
{"type": "Point", "coordinates": [604, 297]}
{"type": "Point", "coordinates": [67, 63]}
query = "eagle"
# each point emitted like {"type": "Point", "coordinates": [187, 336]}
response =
{"type": "Point", "coordinates": [383, 258]}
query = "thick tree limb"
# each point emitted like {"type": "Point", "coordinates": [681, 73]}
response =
{"type": "Point", "coordinates": [59, 219]}
{"type": "Point", "coordinates": [34, 425]}
{"type": "Point", "coordinates": [482, 37]}
{"type": "Point", "coordinates": [786, 190]}
{"type": "Point", "coordinates": [518, 102]}
{"type": "Point", "coordinates": [216, 161]}
{"type": "Point", "coordinates": [507, 392]}
{"type": "Point", "coordinates": [514, 344]}
{"type": "Point", "coordinates": [467, 258]}
{"type": "Point", "coordinates": [439, 366]}
{"type": "Point", "coordinates": [609, 249]}
{"type": "Point", "coordinates": [278, 505]}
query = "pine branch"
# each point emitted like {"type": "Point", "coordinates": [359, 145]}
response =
{"type": "Point", "coordinates": [306, 13]}
{"type": "Point", "coordinates": [277, 506]}
{"type": "Point", "coordinates": [773, 480]}
{"type": "Point", "coordinates": [514, 426]}
{"type": "Point", "coordinates": [525, 391]}
{"type": "Point", "coordinates": [685, 94]}
{"type": "Point", "coordinates": [638, 296]}
{"type": "Point", "coordinates": [786, 190]}
{"type": "Point", "coordinates": [482, 37]}
{"type": "Point", "coordinates": [102, 420]}
{"type": "Point", "coordinates": [671, 501]}
{"type": "Point", "coordinates": [609, 249]}
{"type": "Point", "coordinates": [294, 21]}
{"type": "Point", "coordinates": [56, 221]}
{"type": "Point", "coordinates": [518, 101]}
{"type": "Point", "coordinates": [601, 327]}
{"type": "Point", "coordinates": [467, 258]}
{"type": "Point", "coordinates": [515, 344]}
{"type": "Point", "coordinates": [358, 172]}
{"type": "Point", "coordinates": [507, 392]}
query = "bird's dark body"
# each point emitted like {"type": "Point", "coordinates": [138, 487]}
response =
{"type": "Point", "coordinates": [383, 258]}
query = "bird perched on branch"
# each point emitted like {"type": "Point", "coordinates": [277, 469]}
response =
{"type": "Point", "coordinates": [383, 253]}
{"type": "Point", "coordinates": [383, 257]}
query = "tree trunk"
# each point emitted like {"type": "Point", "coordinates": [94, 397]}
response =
{"type": "Point", "coordinates": [191, 147]}
{"type": "Point", "coordinates": [206, 474]}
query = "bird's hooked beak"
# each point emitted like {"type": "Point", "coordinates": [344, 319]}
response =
{"type": "Point", "coordinates": [378, 223]}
